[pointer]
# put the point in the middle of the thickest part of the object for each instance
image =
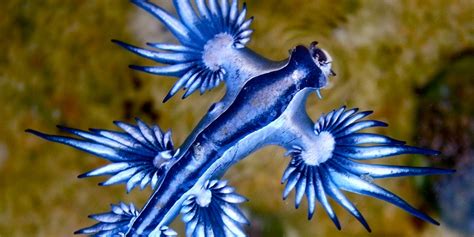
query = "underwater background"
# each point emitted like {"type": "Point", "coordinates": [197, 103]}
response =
{"type": "Point", "coordinates": [412, 62]}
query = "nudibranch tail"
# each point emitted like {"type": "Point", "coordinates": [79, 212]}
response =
{"type": "Point", "coordinates": [205, 36]}
{"type": "Point", "coordinates": [117, 222]}
{"type": "Point", "coordinates": [139, 155]}
{"type": "Point", "coordinates": [328, 164]}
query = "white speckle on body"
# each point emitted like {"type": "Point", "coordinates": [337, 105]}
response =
{"type": "Point", "coordinates": [367, 177]}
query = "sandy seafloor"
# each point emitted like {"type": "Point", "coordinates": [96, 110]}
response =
{"type": "Point", "coordinates": [58, 66]}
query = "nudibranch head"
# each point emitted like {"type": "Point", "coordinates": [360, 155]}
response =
{"type": "Point", "coordinates": [323, 60]}
{"type": "Point", "coordinates": [328, 164]}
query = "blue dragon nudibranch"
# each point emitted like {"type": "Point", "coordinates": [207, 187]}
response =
{"type": "Point", "coordinates": [264, 105]}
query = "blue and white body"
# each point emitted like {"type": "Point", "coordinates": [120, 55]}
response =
{"type": "Point", "coordinates": [264, 105]}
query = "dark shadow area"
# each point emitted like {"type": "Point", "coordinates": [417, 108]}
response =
{"type": "Point", "coordinates": [446, 123]}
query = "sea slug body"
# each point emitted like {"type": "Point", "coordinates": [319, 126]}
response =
{"type": "Point", "coordinates": [264, 105]}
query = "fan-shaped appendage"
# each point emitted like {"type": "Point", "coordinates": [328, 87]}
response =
{"type": "Point", "coordinates": [117, 222]}
{"type": "Point", "coordinates": [139, 155]}
{"type": "Point", "coordinates": [204, 34]}
{"type": "Point", "coordinates": [329, 164]}
{"type": "Point", "coordinates": [214, 211]}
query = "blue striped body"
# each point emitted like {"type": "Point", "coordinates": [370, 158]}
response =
{"type": "Point", "coordinates": [269, 96]}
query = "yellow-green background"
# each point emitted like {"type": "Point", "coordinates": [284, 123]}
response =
{"type": "Point", "coordinates": [58, 66]}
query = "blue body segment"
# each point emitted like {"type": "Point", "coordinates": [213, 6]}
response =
{"type": "Point", "coordinates": [256, 105]}
{"type": "Point", "coordinates": [264, 104]}
{"type": "Point", "coordinates": [252, 110]}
